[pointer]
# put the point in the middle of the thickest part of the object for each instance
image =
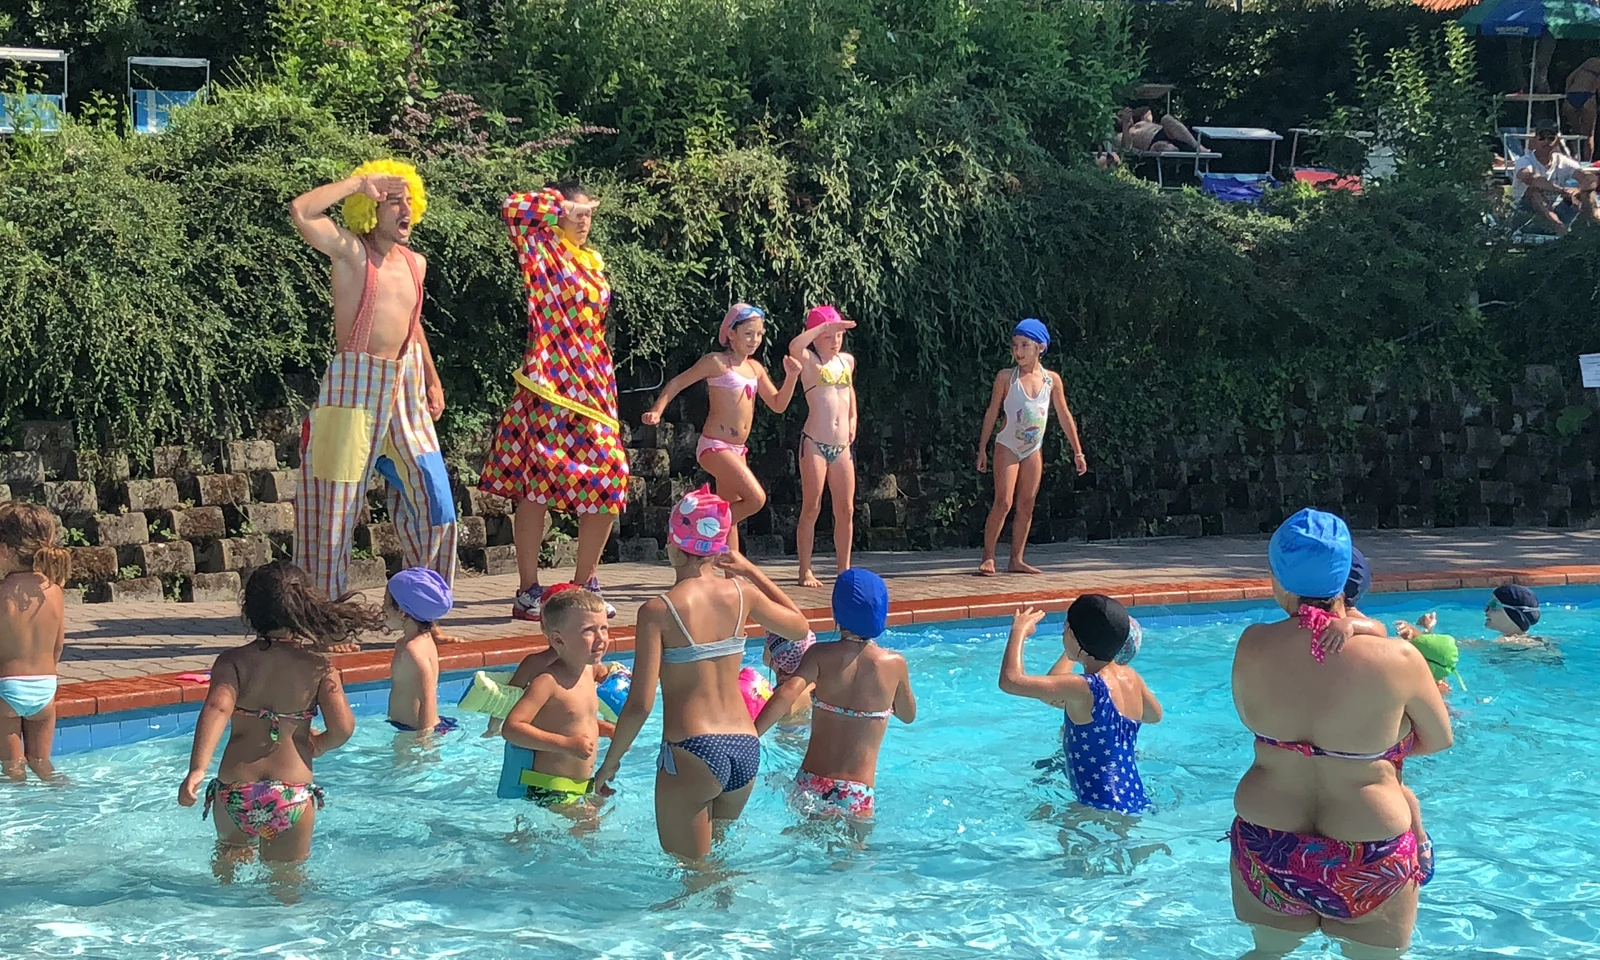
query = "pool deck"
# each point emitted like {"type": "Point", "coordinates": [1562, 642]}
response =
{"type": "Point", "coordinates": [128, 656]}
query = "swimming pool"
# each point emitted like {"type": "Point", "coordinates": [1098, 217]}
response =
{"type": "Point", "coordinates": [976, 851]}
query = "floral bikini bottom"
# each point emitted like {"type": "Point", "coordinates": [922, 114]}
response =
{"type": "Point", "coordinates": [263, 808]}
{"type": "Point", "coordinates": [1299, 874]}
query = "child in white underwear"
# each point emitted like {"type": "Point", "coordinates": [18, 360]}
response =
{"type": "Point", "coordinates": [33, 567]}
{"type": "Point", "coordinates": [734, 378]}
{"type": "Point", "coordinates": [1026, 392]}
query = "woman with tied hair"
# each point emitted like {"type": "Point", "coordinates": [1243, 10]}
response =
{"type": "Point", "coordinates": [33, 568]}
{"type": "Point", "coordinates": [691, 641]}
{"type": "Point", "coordinates": [1326, 836]}
{"type": "Point", "coordinates": [559, 444]}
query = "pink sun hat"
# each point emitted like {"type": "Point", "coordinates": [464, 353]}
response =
{"type": "Point", "coordinates": [821, 314]}
{"type": "Point", "coordinates": [737, 314]}
{"type": "Point", "coordinates": [700, 523]}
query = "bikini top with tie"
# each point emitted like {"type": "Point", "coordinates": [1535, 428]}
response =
{"type": "Point", "coordinates": [695, 652]}
{"type": "Point", "coordinates": [277, 718]}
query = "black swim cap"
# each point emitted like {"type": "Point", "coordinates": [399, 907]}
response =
{"type": "Point", "coordinates": [1100, 625]}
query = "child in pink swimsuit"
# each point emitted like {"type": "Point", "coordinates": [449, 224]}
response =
{"type": "Point", "coordinates": [734, 378]}
{"type": "Point", "coordinates": [270, 690]}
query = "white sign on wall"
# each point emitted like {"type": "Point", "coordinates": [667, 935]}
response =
{"type": "Point", "coordinates": [1589, 363]}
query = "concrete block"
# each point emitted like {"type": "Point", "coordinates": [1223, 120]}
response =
{"type": "Point", "coordinates": [368, 574]}
{"type": "Point", "coordinates": [180, 462]}
{"type": "Point", "coordinates": [217, 489]}
{"type": "Point", "coordinates": [93, 564]}
{"type": "Point", "coordinates": [649, 463]}
{"type": "Point", "coordinates": [276, 486]}
{"type": "Point", "coordinates": [248, 456]}
{"type": "Point", "coordinates": [159, 559]}
{"type": "Point", "coordinates": [71, 497]}
{"type": "Point", "coordinates": [270, 518]}
{"type": "Point", "coordinates": [119, 529]}
{"type": "Point", "coordinates": [102, 468]}
{"type": "Point", "coordinates": [198, 524]}
{"type": "Point", "coordinates": [645, 550]}
{"type": "Point", "coordinates": [499, 560]}
{"type": "Point", "coordinates": [471, 533]}
{"type": "Point", "coordinates": [380, 538]}
{"type": "Point", "coordinates": [886, 487]}
{"type": "Point", "coordinates": [234, 553]}
{"type": "Point", "coordinates": [149, 496]}
{"type": "Point", "coordinates": [5, 492]}
{"type": "Point", "coordinates": [140, 590]}
{"type": "Point", "coordinates": [224, 587]}
{"type": "Point", "coordinates": [49, 435]}
{"type": "Point", "coordinates": [1496, 492]}
{"type": "Point", "coordinates": [21, 468]}
{"type": "Point", "coordinates": [479, 504]}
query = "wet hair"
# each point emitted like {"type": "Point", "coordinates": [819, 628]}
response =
{"type": "Point", "coordinates": [570, 189]}
{"type": "Point", "coordinates": [280, 597]}
{"type": "Point", "coordinates": [32, 531]}
{"type": "Point", "coordinates": [564, 604]}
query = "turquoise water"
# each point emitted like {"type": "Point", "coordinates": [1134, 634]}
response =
{"type": "Point", "coordinates": [977, 851]}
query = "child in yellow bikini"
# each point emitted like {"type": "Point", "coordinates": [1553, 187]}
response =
{"type": "Point", "coordinates": [734, 379]}
{"type": "Point", "coordinates": [265, 695]}
{"type": "Point", "coordinates": [827, 457]}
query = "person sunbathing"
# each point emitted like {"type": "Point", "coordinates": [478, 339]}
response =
{"type": "Point", "coordinates": [1140, 131]}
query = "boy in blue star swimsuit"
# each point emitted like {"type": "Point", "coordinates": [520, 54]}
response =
{"type": "Point", "coordinates": [1105, 705]}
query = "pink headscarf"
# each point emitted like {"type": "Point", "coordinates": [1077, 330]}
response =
{"type": "Point", "coordinates": [737, 314]}
{"type": "Point", "coordinates": [700, 523]}
{"type": "Point", "coordinates": [819, 315]}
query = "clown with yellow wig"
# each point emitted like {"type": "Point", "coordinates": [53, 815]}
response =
{"type": "Point", "coordinates": [381, 393]}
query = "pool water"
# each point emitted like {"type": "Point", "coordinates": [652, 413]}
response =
{"type": "Point", "coordinates": [977, 849]}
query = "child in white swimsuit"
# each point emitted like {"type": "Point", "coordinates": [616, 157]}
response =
{"type": "Point", "coordinates": [734, 378]}
{"type": "Point", "coordinates": [33, 567]}
{"type": "Point", "coordinates": [1025, 392]}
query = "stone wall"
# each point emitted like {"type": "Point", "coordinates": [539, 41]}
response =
{"type": "Point", "coordinates": [193, 521]}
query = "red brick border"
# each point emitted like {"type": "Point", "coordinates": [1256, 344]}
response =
{"type": "Point", "coordinates": [109, 696]}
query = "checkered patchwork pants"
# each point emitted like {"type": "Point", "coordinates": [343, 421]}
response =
{"type": "Point", "coordinates": [549, 454]}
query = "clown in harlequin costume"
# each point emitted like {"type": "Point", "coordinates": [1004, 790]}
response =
{"type": "Point", "coordinates": [558, 447]}
{"type": "Point", "coordinates": [381, 393]}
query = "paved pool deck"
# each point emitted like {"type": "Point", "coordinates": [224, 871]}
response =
{"type": "Point", "coordinates": [109, 646]}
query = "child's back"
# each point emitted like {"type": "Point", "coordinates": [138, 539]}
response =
{"type": "Point", "coordinates": [267, 692]}
{"type": "Point", "coordinates": [855, 684]}
{"type": "Point", "coordinates": [33, 566]}
{"type": "Point", "coordinates": [1100, 737]}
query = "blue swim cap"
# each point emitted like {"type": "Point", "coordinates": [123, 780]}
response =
{"type": "Point", "coordinates": [1360, 577]}
{"type": "Point", "coordinates": [861, 603]}
{"type": "Point", "coordinates": [1033, 330]}
{"type": "Point", "coordinates": [421, 594]}
{"type": "Point", "coordinates": [1310, 554]}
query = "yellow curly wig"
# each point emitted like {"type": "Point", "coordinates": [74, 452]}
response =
{"type": "Point", "coordinates": [361, 212]}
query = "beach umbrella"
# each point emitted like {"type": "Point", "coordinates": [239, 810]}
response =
{"type": "Point", "coordinates": [1562, 19]}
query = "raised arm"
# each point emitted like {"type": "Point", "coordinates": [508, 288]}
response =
{"type": "Point", "coordinates": [309, 211]}
{"type": "Point", "coordinates": [797, 346]}
{"type": "Point", "coordinates": [1015, 679]}
{"type": "Point", "coordinates": [783, 699]}
{"type": "Point", "coordinates": [705, 368]}
{"type": "Point", "coordinates": [641, 694]}
{"type": "Point", "coordinates": [770, 607]}
{"type": "Point", "coordinates": [1425, 709]}
{"type": "Point", "coordinates": [221, 698]}
{"type": "Point", "coordinates": [905, 702]}
{"type": "Point", "coordinates": [1152, 707]}
{"type": "Point", "coordinates": [778, 398]}
{"type": "Point", "coordinates": [997, 396]}
{"type": "Point", "coordinates": [339, 721]}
